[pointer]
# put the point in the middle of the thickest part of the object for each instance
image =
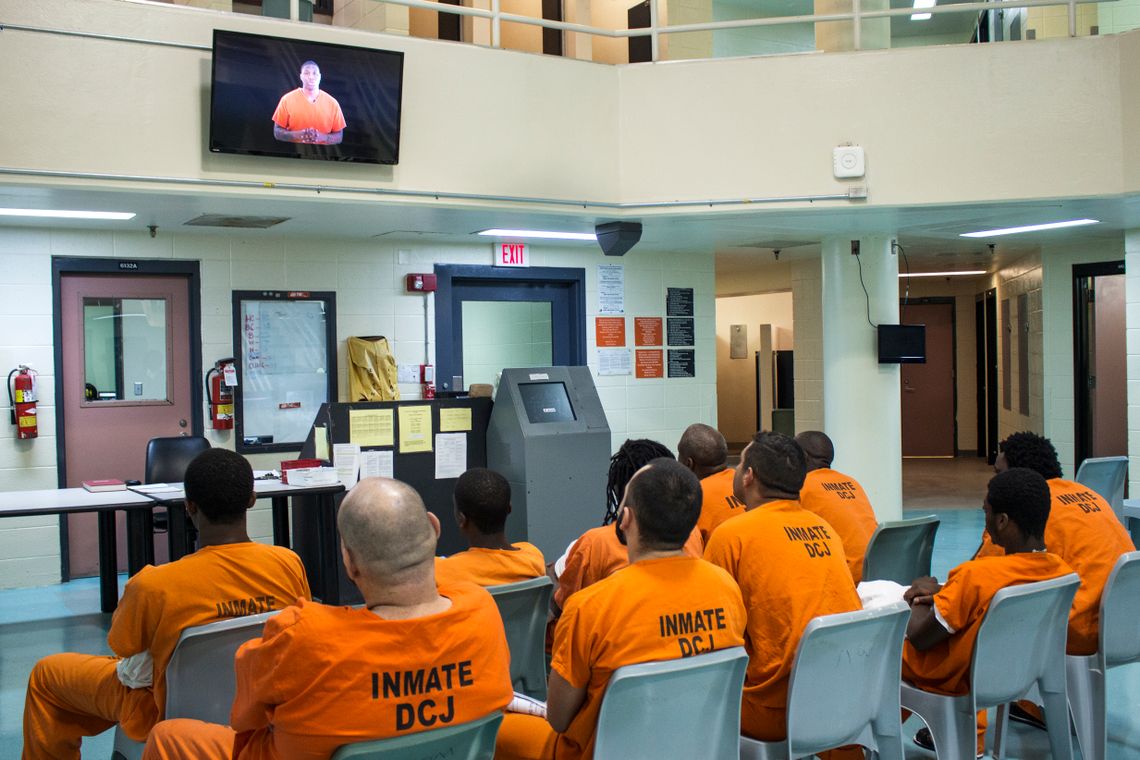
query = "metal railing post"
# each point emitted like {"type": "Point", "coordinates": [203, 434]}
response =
{"type": "Point", "coordinates": [496, 25]}
{"type": "Point", "coordinates": [857, 30]}
{"type": "Point", "coordinates": [653, 39]}
{"type": "Point", "coordinates": [1072, 18]}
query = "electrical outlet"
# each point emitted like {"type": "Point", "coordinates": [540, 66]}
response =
{"type": "Point", "coordinates": [854, 247]}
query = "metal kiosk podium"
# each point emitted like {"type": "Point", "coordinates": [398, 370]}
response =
{"type": "Point", "coordinates": [549, 437]}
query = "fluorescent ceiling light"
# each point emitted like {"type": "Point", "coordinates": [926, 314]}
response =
{"type": "Point", "coordinates": [966, 273]}
{"type": "Point", "coordinates": [58, 214]}
{"type": "Point", "coordinates": [544, 234]}
{"type": "Point", "coordinates": [1030, 228]}
{"type": "Point", "coordinates": [922, 4]}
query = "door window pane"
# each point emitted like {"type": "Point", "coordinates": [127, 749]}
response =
{"type": "Point", "coordinates": [498, 334]}
{"type": "Point", "coordinates": [125, 349]}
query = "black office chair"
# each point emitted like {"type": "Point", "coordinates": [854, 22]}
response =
{"type": "Point", "coordinates": [166, 461]}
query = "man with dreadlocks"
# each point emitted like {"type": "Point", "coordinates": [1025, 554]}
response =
{"type": "Point", "coordinates": [1082, 530]}
{"type": "Point", "coordinates": [790, 565]}
{"type": "Point", "coordinates": [598, 552]}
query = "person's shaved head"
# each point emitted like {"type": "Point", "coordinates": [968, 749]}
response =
{"type": "Point", "coordinates": [704, 445]}
{"type": "Point", "coordinates": [817, 447]}
{"type": "Point", "coordinates": [384, 525]}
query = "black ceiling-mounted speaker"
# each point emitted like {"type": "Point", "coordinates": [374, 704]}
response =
{"type": "Point", "coordinates": [616, 238]}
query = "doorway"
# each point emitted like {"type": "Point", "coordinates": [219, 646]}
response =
{"type": "Point", "coordinates": [929, 404]}
{"type": "Point", "coordinates": [985, 326]}
{"type": "Point", "coordinates": [127, 343]}
{"type": "Point", "coordinates": [640, 48]}
{"type": "Point", "coordinates": [489, 318]}
{"type": "Point", "coordinates": [1100, 382]}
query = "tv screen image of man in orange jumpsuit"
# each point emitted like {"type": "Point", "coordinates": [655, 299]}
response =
{"type": "Point", "coordinates": [308, 114]}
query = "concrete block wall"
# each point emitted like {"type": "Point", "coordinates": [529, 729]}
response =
{"type": "Point", "coordinates": [807, 315]}
{"type": "Point", "coordinates": [369, 282]}
{"type": "Point", "coordinates": [1024, 277]}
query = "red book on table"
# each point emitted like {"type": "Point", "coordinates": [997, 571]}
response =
{"type": "Point", "coordinates": [96, 486]}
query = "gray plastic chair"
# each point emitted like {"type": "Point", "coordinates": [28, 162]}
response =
{"type": "Point", "coordinates": [523, 607]}
{"type": "Point", "coordinates": [689, 707]}
{"type": "Point", "coordinates": [844, 687]}
{"type": "Point", "coordinates": [1020, 645]}
{"type": "Point", "coordinates": [900, 551]}
{"type": "Point", "coordinates": [1119, 645]}
{"type": "Point", "coordinates": [200, 679]}
{"type": "Point", "coordinates": [467, 741]}
{"type": "Point", "coordinates": [1106, 476]}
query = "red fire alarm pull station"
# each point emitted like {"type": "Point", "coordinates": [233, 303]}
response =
{"type": "Point", "coordinates": [420, 283]}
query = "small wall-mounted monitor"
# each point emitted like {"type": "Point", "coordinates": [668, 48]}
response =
{"type": "Point", "coordinates": [272, 96]}
{"type": "Point", "coordinates": [902, 344]}
{"type": "Point", "coordinates": [546, 402]}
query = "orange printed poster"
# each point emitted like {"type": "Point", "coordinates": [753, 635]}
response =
{"type": "Point", "coordinates": [647, 331]}
{"type": "Point", "coordinates": [609, 331]}
{"type": "Point", "coordinates": [650, 363]}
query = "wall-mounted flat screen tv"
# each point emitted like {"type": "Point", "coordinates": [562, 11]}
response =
{"type": "Point", "coordinates": [272, 96]}
{"type": "Point", "coordinates": [902, 344]}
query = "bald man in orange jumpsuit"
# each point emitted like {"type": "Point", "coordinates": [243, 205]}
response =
{"type": "Point", "coordinates": [482, 500]}
{"type": "Point", "coordinates": [703, 450]}
{"type": "Point", "coordinates": [664, 605]}
{"type": "Point", "coordinates": [308, 114]}
{"type": "Point", "coordinates": [414, 658]}
{"type": "Point", "coordinates": [73, 695]}
{"type": "Point", "coordinates": [837, 498]}
{"type": "Point", "coordinates": [945, 619]}
{"type": "Point", "coordinates": [791, 568]}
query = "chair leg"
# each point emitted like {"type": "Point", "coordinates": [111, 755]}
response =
{"type": "Point", "coordinates": [1057, 723]}
{"type": "Point", "coordinates": [955, 739]}
{"type": "Point", "coordinates": [1086, 684]}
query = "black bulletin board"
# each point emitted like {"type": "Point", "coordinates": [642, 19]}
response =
{"type": "Point", "coordinates": [416, 469]}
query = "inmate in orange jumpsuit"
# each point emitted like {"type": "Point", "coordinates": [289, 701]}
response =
{"type": "Point", "coordinates": [840, 500]}
{"type": "Point", "coordinates": [1084, 532]}
{"type": "Point", "coordinates": [294, 111]}
{"type": "Point", "coordinates": [75, 695]}
{"type": "Point", "coordinates": [491, 567]}
{"type": "Point", "coordinates": [656, 609]}
{"type": "Point", "coordinates": [791, 568]}
{"type": "Point", "coordinates": [321, 677]}
{"type": "Point", "coordinates": [718, 504]}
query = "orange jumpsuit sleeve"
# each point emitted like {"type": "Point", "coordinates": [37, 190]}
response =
{"type": "Point", "coordinates": [960, 600]}
{"type": "Point", "coordinates": [261, 682]}
{"type": "Point", "coordinates": [573, 576]}
{"type": "Point", "coordinates": [724, 552]}
{"type": "Point", "coordinates": [136, 619]}
{"type": "Point", "coordinates": [571, 654]}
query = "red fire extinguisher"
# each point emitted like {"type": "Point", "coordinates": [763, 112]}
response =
{"type": "Point", "coordinates": [23, 402]}
{"type": "Point", "coordinates": [220, 394]}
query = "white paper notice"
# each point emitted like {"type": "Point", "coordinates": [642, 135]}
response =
{"type": "Point", "coordinates": [346, 460]}
{"type": "Point", "coordinates": [376, 464]}
{"type": "Point", "coordinates": [450, 455]}
{"type": "Point", "coordinates": [611, 289]}
{"type": "Point", "coordinates": [614, 361]}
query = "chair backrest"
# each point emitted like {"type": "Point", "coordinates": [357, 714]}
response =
{"type": "Point", "coordinates": [1106, 476]}
{"type": "Point", "coordinates": [900, 551]}
{"type": "Point", "coordinates": [1119, 611]}
{"type": "Point", "coordinates": [862, 650]}
{"type": "Point", "coordinates": [200, 681]}
{"type": "Point", "coordinates": [467, 741]}
{"type": "Point", "coordinates": [689, 707]}
{"type": "Point", "coordinates": [168, 458]}
{"type": "Point", "coordinates": [523, 607]}
{"type": "Point", "coordinates": [1021, 637]}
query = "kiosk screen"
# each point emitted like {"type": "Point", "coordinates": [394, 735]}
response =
{"type": "Point", "coordinates": [546, 402]}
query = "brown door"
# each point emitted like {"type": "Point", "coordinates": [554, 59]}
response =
{"type": "Point", "coordinates": [1108, 385]}
{"type": "Point", "coordinates": [126, 378]}
{"type": "Point", "coordinates": [928, 389]}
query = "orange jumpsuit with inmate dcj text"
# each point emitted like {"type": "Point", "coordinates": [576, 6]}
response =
{"type": "Point", "coordinates": [491, 567]}
{"type": "Point", "coordinates": [321, 677]}
{"type": "Point", "coordinates": [655, 609]}
{"type": "Point", "coordinates": [717, 502]}
{"type": "Point", "coordinates": [295, 111]}
{"type": "Point", "coordinates": [840, 500]}
{"type": "Point", "coordinates": [74, 695]}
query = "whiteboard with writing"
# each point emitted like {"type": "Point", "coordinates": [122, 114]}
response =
{"type": "Point", "coordinates": [287, 367]}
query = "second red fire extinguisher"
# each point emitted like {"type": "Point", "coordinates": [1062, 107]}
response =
{"type": "Point", "coordinates": [220, 394]}
{"type": "Point", "coordinates": [22, 399]}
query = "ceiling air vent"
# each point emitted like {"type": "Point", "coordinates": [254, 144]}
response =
{"type": "Point", "coordinates": [236, 222]}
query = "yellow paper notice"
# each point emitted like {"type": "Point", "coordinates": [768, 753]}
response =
{"type": "Point", "coordinates": [454, 420]}
{"type": "Point", "coordinates": [321, 440]}
{"type": "Point", "coordinates": [415, 429]}
{"type": "Point", "coordinates": [370, 427]}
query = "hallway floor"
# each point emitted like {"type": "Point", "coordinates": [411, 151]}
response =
{"type": "Point", "coordinates": [66, 617]}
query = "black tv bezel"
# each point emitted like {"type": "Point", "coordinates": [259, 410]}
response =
{"type": "Point", "coordinates": [900, 359]}
{"type": "Point", "coordinates": [399, 54]}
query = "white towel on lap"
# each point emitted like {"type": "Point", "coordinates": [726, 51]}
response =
{"type": "Point", "coordinates": [880, 593]}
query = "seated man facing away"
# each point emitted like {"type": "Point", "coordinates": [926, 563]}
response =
{"type": "Point", "coordinates": [598, 552]}
{"type": "Point", "coordinates": [482, 502]}
{"type": "Point", "coordinates": [75, 695]}
{"type": "Point", "coordinates": [703, 450]}
{"type": "Point", "coordinates": [837, 498]}
{"type": "Point", "coordinates": [791, 568]}
{"type": "Point", "coordinates": [639, 614]}
{"type": "Point", "coordinates": [413, 658]}
{"type": "Point", "coordinates": [944, 619]}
